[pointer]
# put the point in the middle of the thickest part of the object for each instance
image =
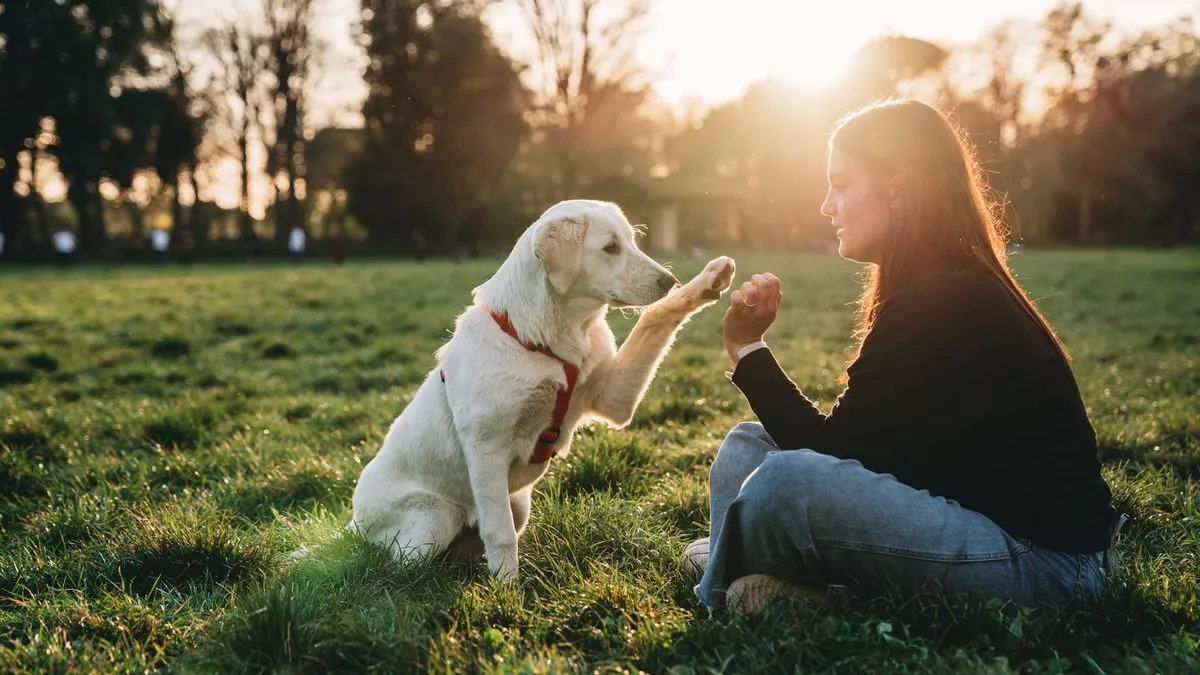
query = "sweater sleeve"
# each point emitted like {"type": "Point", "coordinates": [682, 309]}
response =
{"type": "Point", "coordinates": [791, 419]}
{"type": "Point", "coordinates": [907, 366]}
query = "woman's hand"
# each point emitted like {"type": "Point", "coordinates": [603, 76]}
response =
{"type": "Point", "coordinates": [751, 312]}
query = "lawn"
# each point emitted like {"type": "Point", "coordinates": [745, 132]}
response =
{"type": "Point", "coordinates": [168, 437]}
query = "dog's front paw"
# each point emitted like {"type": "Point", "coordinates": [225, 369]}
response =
{"type": "Point", "coordinates": [707, 286]}
{"type": "Point", "coordinates": [506, 573]}
{"type": "Point", "coordinates": [504, 565]}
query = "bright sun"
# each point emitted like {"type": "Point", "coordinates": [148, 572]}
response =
{"type": "Point", "coordinates": [812, 71]}
{"type": "Point", "coordinates": [716, 53]}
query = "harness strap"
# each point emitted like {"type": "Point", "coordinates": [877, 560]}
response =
{"type": "Point", "coordinates": [543, 450]}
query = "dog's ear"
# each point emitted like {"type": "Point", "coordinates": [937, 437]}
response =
{"type": "Point", "coordinates": [559, 247]}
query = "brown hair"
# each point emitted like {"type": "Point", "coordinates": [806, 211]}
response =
{"type": "Point", "coordinates": [946, 219]}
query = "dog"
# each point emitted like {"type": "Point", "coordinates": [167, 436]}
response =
{"type": "Point", "coordinates": [531, 359]}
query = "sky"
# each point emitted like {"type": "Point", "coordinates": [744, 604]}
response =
{"type": "Point", "coordinates": [714, 54]}
{"type": "Point", "coordinates": [698, 52]}
{"type": "Point", "coordinates": [701, 53]}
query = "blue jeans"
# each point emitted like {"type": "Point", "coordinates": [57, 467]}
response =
{"type": "Point", "coordinates": [816, 520]}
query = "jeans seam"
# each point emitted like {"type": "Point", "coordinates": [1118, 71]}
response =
{"type": "Point", "coordinates": [898, 552]}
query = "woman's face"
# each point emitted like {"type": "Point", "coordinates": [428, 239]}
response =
{"type": "Point", "coordinates": [859, 208]}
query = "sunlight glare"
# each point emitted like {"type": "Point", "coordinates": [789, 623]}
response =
{"type": "Point", "coordinates": [715, 55]}
{"type": "Point", "coordinates": [812, 47]}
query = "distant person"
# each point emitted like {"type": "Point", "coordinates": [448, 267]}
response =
{"type": "Point", "coordinates": [959, 458]}
{"type": "Point", "coordinates": [64, 245]}
{"type": "Point", "coordinates": [296, 242]}
{"type": "Point", "coordinates": [160, 241]}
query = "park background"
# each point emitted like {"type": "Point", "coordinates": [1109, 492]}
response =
{"type": "Point", "coordinates": [171, 433]}
{"type": "Point", "coordinates": [444, 128]}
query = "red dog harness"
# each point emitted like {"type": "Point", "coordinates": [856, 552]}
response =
{"type": "Point", "coordinates": [543, 450]}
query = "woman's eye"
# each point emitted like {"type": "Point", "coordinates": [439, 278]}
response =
{"type": "Point", "coordinates": [612, 249]}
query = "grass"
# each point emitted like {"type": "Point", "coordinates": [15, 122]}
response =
{"type": "Point", "coordinates": [168, 438]}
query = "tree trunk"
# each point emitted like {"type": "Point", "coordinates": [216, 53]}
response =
{"type": "Point", "coordinates": [293, 216]}
{"type": "Point", "coordinates": [86, 200]}
{"type": "Point", "coordinates": [277, 206]}
{"type": "Point", "coordinates": [11, 223]}
{"type": "Point", "coordinates": [42, 231]}
{"type": "Point", "coordinates": [137, 221]}
{"type": "Point", "coordinates": [287, 203]}
{"type": "Point", "coordinates": [196, 224]}
{"type": "Point", "coordinates": [246, 225]}
{"type": "Point", "coordinates": [178, 226]}
{"type": "Point", "coordinates": [98, 221]}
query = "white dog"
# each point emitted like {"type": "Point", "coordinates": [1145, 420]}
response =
{"type": "Point", "coordinates": [529, 360]}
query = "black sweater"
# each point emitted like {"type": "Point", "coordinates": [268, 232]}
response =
{"type": "Point", "coordinates": [956, 390]}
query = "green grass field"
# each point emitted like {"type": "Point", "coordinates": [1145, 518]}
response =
{"type": "Point", "coordinates": [168, 437]}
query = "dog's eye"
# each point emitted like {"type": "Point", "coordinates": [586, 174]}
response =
{"type": "Point", "coordinates": [613, 248]}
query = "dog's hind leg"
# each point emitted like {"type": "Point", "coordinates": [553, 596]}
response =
{"type": "Point", "coordinates": [419, 525]}
{"type": "Point", "coordinates": [520, 507]}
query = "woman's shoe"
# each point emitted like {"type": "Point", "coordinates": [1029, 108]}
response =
{"type": "Point", "coordinates": [749, 594]}
{"type": "Point", "coordinates": [695, 558]}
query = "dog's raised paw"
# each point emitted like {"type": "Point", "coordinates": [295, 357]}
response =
{"type": "Point", "coordinates": [724, 267]}
{"type": "Point", "coordinates": [710, 283]}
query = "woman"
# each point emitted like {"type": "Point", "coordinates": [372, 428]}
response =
{"type": "Point", "coordinates": [959, 457]}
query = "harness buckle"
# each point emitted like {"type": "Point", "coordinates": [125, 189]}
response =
{"type": "Point", "coordinates": [549, 436]}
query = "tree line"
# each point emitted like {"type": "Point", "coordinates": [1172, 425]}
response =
{"type": "Point", "coordinates": [1090, 137]}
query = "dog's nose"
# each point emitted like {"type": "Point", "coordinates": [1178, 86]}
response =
{"type": "Point", "coordinates": [667, 281]}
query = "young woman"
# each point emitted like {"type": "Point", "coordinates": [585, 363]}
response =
{"type": "Point", "coordinates": [959, 458]}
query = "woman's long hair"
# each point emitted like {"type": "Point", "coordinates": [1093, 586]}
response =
{"type": "Point", "coordinates": [945, 220]}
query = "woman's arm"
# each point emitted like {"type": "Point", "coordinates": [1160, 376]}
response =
{"type": "Point", "coordinates": [791, 419]}
{"type": "Point", "coordinates": [922, 345]}
{"type": "Point", "coordinates": [788, 416]}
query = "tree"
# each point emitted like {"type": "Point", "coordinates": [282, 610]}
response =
{"type": "Point", "coordinates": [23, 80]}
{"type": "Point", "coordinates": [588, 89]}
{"type": "Point", "coordinates": [133, 144]}
{"type": "Point", "coordinates": [241, 50]}
{"type": "Point", "coordinates": [115, 43]}
{"type": "Point", "coordinates": [1071, 46]}
{"type": "Point", "coordinates": [329, 155]}
{"type": "Point", "coordinates": [883, 65]}
{"type": "Point", "coordinates": [441, 122]}
{"type": "Point", "coordinates": [293, 52]}
{"type": "Point", "coordinates": [70, 60]}
{"type": "Point", "coordinates": [1006, 90]}
{"type": "Point", "coordinates": [183, 125]}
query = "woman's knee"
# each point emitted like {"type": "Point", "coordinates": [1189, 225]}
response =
{"type": "Point", "coordinates": [753, 430]}
{"type": "Point", "coordinates": [802, 474]}
{"type": "Point", "coordinates": [743, 449]}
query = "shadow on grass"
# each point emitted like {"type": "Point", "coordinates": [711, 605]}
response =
{"type": "Point", "coordinates": [174, 551]}
{"type": "Point", "coordinates": [349, 607]}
